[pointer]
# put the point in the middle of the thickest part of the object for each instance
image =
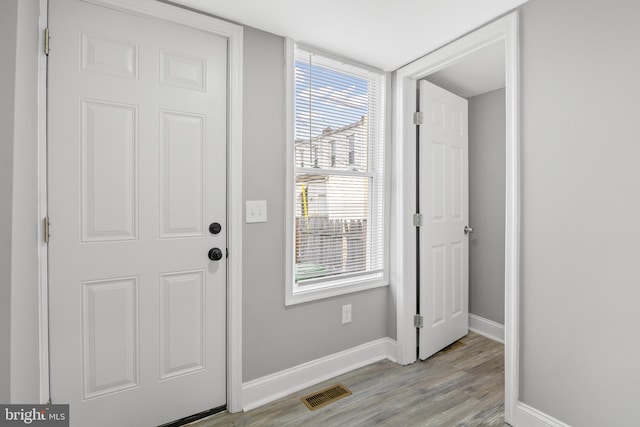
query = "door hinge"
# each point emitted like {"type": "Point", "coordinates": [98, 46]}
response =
{"type": "Point", "coordinates": [418, 321]}
{"type": "Point", "coordinates": [418, 118]}
{"type": "Point", "coordinates": [417, 220]}
{"type": "Point", "coordinates": [46, 41]}
{"type": "Point", "coordinates": [45, 223]}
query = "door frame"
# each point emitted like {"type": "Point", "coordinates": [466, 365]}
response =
{"type": "Point", "coordinates": [234, 34]}
{"type": "Point", "coordinates": [403, 268]}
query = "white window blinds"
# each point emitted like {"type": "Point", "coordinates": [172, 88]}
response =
{"type": "Point", "coordinates": [339, 171]}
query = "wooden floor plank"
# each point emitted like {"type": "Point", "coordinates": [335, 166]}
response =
{"type": "Point", "coordinates": [462, 386]}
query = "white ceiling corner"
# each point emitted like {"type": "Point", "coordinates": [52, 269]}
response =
{"type": "Point", "coordinates": [382, 33]}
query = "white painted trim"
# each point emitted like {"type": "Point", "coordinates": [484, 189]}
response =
{"type": "Point", "coordinates": [175, 14]}
{"type": "Point", "coordinates": [526, 416]}
{"type": "Point", "coordinates": [234, 221]}
{"type": "Point", "coordinates": [512, 216]}
{"type": "Point", "coordinates": [43, 264]}
{"type": "Point", "coordinates": [486, 328]}
{"type": "Point", "coordinates": [290, 190]}
{"type": "Point", "coordinates": [404, 262]}
{"type": "Point", "coordinates": [272, 387]}
{"type": "Point", "coordinates": [234, 34]}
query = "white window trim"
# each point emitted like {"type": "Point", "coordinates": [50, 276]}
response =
{"type": "Point", "coordinates": [338, 286]}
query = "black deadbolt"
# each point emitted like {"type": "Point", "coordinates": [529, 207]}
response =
{"type": "Point", "coordinates": [215, 254]}
{"type": "Point", "coordinates": [215, 228]}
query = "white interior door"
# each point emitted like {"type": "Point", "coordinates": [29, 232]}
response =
{"type": "Point", "coordinates": [137, 167]}
{"type": "Point", "coordinates": [444, 204]}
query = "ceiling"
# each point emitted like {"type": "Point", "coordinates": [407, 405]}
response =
{"type": "Point", "coordinates": [479, 72]}
{"type": "Point", "coordinates": [385, 34]}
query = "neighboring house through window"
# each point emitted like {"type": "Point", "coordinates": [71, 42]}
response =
{"type": "Point", "coordinates": [352, 149]}
{"type": "Point", "coordinates": [334, 156]}
{"type": "Point", "coordinates": [337, 222]}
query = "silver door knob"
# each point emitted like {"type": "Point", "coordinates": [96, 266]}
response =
{"type": "Point", "coordinates": [468, 230]}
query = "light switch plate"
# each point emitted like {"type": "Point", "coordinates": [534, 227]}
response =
{"type": "Point", "coordinates": [256, 211]}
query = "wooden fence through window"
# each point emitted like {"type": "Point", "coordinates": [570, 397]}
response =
{"type": "Point", "coordinates": [339, 245]}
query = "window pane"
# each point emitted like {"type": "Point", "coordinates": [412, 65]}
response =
{"type": "Point", "coordinates": [339, 171]}
{"type": "Point", "coordinates": [331, 106]}
{"type": "Point", "coordinates": [332, 226]}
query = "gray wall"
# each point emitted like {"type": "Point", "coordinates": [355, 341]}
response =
{"type": "Point", "coordinates": [19, 325]}
{"type": "Point", "coordinates": [580, 309]}
{"type": "Point", "coordinates": [276, 337]}
{"type": "Point", "coordinates": [25, 321]}
{"type": "Point", "coordinates": [486, 204]}
{"type": "Point", "coordinates": [8, 21]}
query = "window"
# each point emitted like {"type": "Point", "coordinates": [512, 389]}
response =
{"type": "Point", "coordinates": [336, 221]}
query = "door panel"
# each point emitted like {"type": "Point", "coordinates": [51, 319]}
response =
{"type": "Point", "coordinates": [181, 323]}
{"type": "Point", "coordinates": [444, 251]}
{"type": "Point", "coordinates": [110, 336]}
{"type": "Point", "coordinates": [109, 146]}
{"type": "Point", "coordinates": [182, 147]}
{"type": "Point", "coordinates": [137, 171]}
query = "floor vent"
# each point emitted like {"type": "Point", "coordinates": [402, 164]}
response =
{"type": "Point", "coordinates": [325, 396]}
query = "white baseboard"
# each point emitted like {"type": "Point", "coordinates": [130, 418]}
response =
{"type": "Point", "coordinates": [486, 328]}
{"type": "Point", "coordinates": [526, 416]}
{"type": "Point", "coordinates": [272, 387]}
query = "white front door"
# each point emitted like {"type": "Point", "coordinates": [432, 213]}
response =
{"type": "Point", "coordinates": [137, 165]}
{"type": "Point", "coordinates": [444, 204]}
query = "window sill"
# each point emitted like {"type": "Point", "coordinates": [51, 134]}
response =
{"type": "Point", "coordinates": [298, 295]}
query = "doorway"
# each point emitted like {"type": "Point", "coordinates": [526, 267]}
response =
{"type": "Point", "coordinates": [503, 32]}
{"type": "Point", "coordinates": [462, 196]}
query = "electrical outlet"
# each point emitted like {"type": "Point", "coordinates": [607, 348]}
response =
{"type": "Point", "coordinates": [346, 314]}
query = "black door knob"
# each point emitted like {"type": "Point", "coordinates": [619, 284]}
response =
{"type": "Point", "coordinates": [215, 228]}
{"type": "Point", "coordinates": [215, 254]}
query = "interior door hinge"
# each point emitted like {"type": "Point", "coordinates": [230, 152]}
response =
{"type": "Point", "coordinates": [46, 41]}
{"type": "Point", "coordinates": [418, 118]}
{"type": "Point", "coordinates": [418, 321]}
{"type": "Point", "coordinates": [46, 224]}
{"type": "Point", "coordinates": [417, 220]}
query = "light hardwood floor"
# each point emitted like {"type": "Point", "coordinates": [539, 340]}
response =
{"type": "Point", "coordinates": [462, 386]}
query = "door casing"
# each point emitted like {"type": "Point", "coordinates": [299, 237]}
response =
{"type": "Point", "coordinates": [403, 261]}
{"type": "Point", "coordinates": [234, 34]}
